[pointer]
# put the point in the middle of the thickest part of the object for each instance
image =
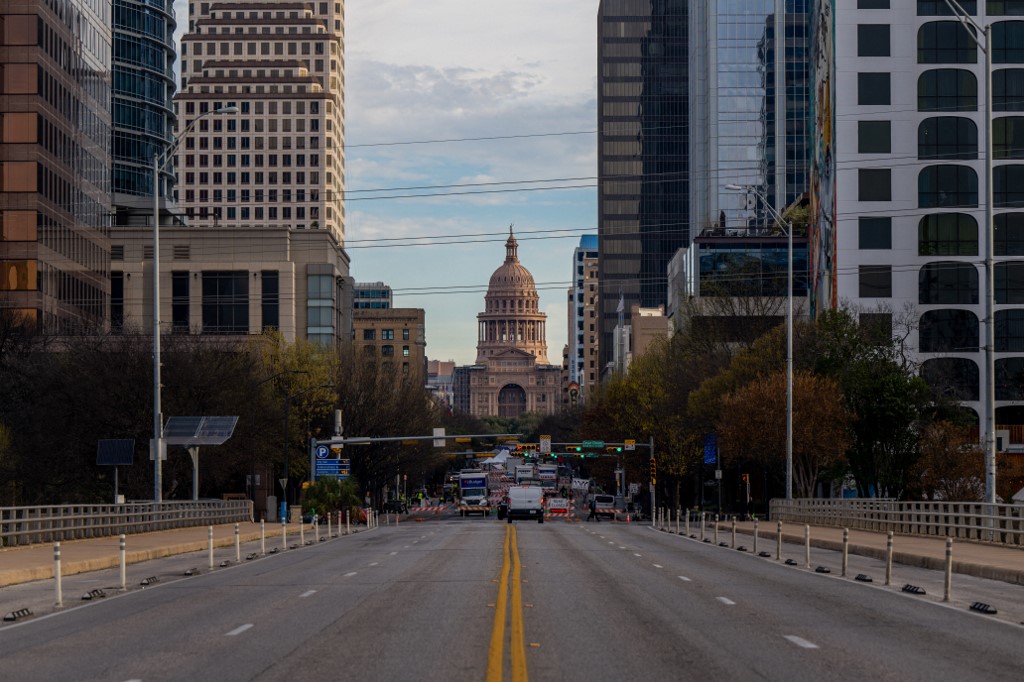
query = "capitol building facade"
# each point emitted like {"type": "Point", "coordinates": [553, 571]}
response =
{"type": "Point", "coordinates": [511, 376]}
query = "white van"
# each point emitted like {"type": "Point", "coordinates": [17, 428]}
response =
{"type": "Point", "coordinates": [525, 502]}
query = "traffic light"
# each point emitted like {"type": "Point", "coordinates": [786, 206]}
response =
{"type": "Point", "coordinates": [573, 448]}
{"type": "Point", "coordinates": [654, 471]}
{"type": "Point", "coordinates": [612, 448]}
{"type": "Point", "coordinates": [745, 478]}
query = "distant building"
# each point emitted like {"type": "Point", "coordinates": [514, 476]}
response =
{"type": "Point", "coordinates": [396, 338]}
{"type": "Point", "coordinates": [634, 335]}
{"type": "Point", "coordinates": [583, 361]}
{"type": "Point", "coordinates": [441, 381]}
{"type": "Point", "coordinates": [511, 376]}
{"type": "Point", "coordinates": [372, 295]}
{"type": "Point", "coordinates": [55, 128]}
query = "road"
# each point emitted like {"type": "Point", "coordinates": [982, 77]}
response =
{"type": "Point", "coordinates": [477, 599]}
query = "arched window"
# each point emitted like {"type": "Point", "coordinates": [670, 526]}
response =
{"type": "Point", "coordinates": [1008, 137]}
{"type": "Point", "coordinates": [1008, 186]}
{"type": "Point", "coordinates": [1010, 331]}
{"type": "Point", "coordinates": [1008, 42]}
{"type": "Point", "coordinates": [1009, 276]}
{"type": "Point", "coordinates": [1008, 90]}
{"type": "Point", "coordinates": [945, 42]}
{"type": "Point", "coordinates": [1009, 234]}
{"type": "Point", "coordinates": [947, 283]}
{"type": "Point", "coordinates": [947, 234]}
{"type": "Point", "coordinates": [1010, 379]}
{"type": "Point", "coordinates": [947, 137]}
{"type": "Point", "coordinates": [948, 90]}
{"type": "Point", "coordinates": [955, 378]}
{"type": "Point", "coordinates": [387, 350]}
{"type": "Point", "coordinates": [949, 331]}
{"type": "Point", "coordinates": [947, 185]}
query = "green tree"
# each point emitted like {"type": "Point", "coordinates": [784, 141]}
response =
{"type": "Point", "coordinates": [951, 465]}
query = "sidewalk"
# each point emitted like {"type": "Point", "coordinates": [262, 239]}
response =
{"type": "Point", "coordinates": [981, 560]}
{"type": "Point", "coordinates": [35, 562]}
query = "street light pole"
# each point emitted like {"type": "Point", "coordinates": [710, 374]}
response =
{"type": "Point", "coordinates": [158, 448]}
{"type": "Point", "coordinates": [989, 398]}
{"type": "Point", "coordinates": [789, 329]}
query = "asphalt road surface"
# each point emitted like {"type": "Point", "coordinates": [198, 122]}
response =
{"type": "Point", "coordinates": [478, 599]}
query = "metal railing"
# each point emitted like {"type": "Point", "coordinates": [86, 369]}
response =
{"type": "Point", "coordinates": [52, 523]}
{"type": "Point", "coordinates": [972, 521]}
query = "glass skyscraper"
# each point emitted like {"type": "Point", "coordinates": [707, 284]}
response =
{"type": "Point", "coordinates": [643, 124]}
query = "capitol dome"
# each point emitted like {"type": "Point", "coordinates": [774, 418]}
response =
{"type": "Point", "coordinates": [512, 318]}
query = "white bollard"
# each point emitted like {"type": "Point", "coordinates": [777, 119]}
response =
{"type": "Point", "coordinates": [284, 534]}
{"type": "Point", "coordinates": [778, 541]}
{"type": "Point", "coordinates": [702, 526]}
{"type": "Point", "coordinates": [238, 546]}
{"type": "Point", "coordinates": [846, 550]}
{"type": "Point", "coordinates": [677, 520]}
{"type": "Point", "coordinates": [755, 535]}
{"type": "Point", "coordinates": [328, 524]}
{"type": "Point", "coordinates": [263, 537]}
{"type": "Point", "coordinates": [734, 532]}
{"type": "Point", "coordinates": [123, 562]}
{"type": "Point", "coordinates": [56, 573]}
{"type": "Point", "coordinates": [209, 542]}
{"type": "Point", "coordinates": [687, 522]}
{"type": "Point", "coordinates": [888, 558]}
{"type": "Point", "coordinates": [949, 569]}
{"type": "Point", "coordinates": [316, 528]}
{"type": "Point", "coordinates": [348, 521]}
{"type": "Point", "coordinates": [716, 529]}
{"type": "Point", "coordinates": [302, 533]}
{"type": "Point", "coordinates": [807, 546]}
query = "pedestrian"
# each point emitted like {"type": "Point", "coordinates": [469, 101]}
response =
{"type": "Point", "coordinates": [593, 511]}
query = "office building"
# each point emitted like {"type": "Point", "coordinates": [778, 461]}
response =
{"type": "Point", "coordinates": [582, 355]}
{"type": "Point", "coordinates": [372, 295]}
{"type": "Point", "coordinates": [908, 227]}
{"type": "Point", "coordinates": [55, 62]}
{"type": "Point", "coordinates": [643, 150]}
{"type": "Point", "coordinates": [394, 337]}
{"type": "Point", "coordinates": [279, 161]}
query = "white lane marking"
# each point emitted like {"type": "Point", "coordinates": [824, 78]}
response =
{"type": "Point", "coordinates": [308, 593]}
{"type": "Point", "coordinates": [239, 630]}
{"type": "Point", "coordinates": [375, 564]}
{"type": "Point", "coordinates": [350, 574]}
{"type": "Point", "coordinates": [621, 547]}
{"type": "Point", "coordinates": [657, 565]}
{"type": "Point", "coordinates": [405, 547]}
{"type": "Point", "coordinates": [726, 601]}
{"type": "Point", "coordinates": [415, 542]}
{"type": "Point", "coordinates": [635, 554]}
{"type": "Point", "coordinates": [684, 579]}
{"type": "Point", "coordinates": [394, 553]}
{"type": "Point", "coordinates": [801, 642]}
{"type": "Point", "coordinates": [610, 542]}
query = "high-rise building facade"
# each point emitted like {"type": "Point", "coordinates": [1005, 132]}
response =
{"type": "Point", "coordinates": [279, 161]}
{"type": "Point", "coordinates": [909, 222]}
{"type": "Point", "coordinates": [55, 61]}
{"type": "Point", "coordinates": [643, 151]}
{"type": "Point", "coordinates": [583, 357]}
{"type": "Point", "coordinates": [372, 295]}
{"type": "Point", "coordinates": [143, 109]}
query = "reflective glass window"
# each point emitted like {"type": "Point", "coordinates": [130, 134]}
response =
{"type": "Point", "coordinates": [954, 378]}
{"type": "Point", "coordinates": [875, 281]}
{"type": "Point", "coordinates": [875, 233]}
{"type": "Point", "coordinates": [1008, 186]}
{"type": "Point", "coordinates": [1009, 328]}
{"type": "Point", "coordinates": [226, 302]}
{"type": "Point", "coordinates": [947, 186]}
{"type": "Point", "coordinates": [1009, 234]}
{"type": "Point", "coordinates": [948, 138]}
{"type": "Point", "coordinates": [947, 234]}
{"type": "Point", "coordinates": [873, 89]}
{"type": "Point", "coordinates": [939, 8]}
{"type": "Point", "coordinates": [1010, 379]}
{"type": "Point", "coordinates": [874, 137]}
{"type": "Point", "coordinates": [873, 40]}
{"type": "Point", "coordinates": [1005, 7]}
{"type": "Point", "coordinates": [945, 42]}
{"type": "Point", "coordinates": [947, 283]}
{"type": "Point", "coordinates": [1008, 137]}
{"type": "Point", "coordinates": [1009, 276]}
{"type": "Point", "coordinates": [948, 90]}
{"type": "Point", "coordinates": [1008, 42]}
{"type": "Point", "coordinates": [949, 331]}
{"type": "Point", "coordinates": [874, 184]}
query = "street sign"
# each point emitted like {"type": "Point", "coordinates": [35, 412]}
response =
{"type": "Point", "coordinates": [593, 444]}
{"type": "Point", "coordinates": [439, 437]}
{"type": "Point", "coordinates": [718, 474]}
{"type": "Point", "coordinates": [283, 482]}
{"type": "Point", "coordinates": [630, 444]}
{"type": "Point", "coordinates": [322, 451]}
{"type": "Point", "coordinates": [545, 445]}
{"type": "Point", "coordinates": [634, 488]}
{"type": "Point", "coordinates": [463, 440]}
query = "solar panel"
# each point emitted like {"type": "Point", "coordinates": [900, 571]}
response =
{"type": "Point", "coordinates": [115, 451]}
{"type": "Point", "coordinates": [190, 431]}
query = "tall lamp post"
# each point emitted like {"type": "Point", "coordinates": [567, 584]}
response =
{"type": "Point", "coordinates": [990, 337]}
{"type": "Point", "coordinates": [789, 329]}
{"type": "Point", "coordinates": [158, 448]}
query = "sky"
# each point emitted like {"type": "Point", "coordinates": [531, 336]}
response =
{"type": "Point", "coordinates": [429, 72]}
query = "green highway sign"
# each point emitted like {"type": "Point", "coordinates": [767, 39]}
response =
{"type": "Point", "coordinates": [593, 444]}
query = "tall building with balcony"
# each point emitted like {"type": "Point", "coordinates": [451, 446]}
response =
{"type": "Point", "coordinates": [907, 223]}
{"type": "Point", "coordinates": [583, 363]}
{"type": "Point", "coordinates": [643, 153]}
{"type": "Point", "coordinates": [55, 123]}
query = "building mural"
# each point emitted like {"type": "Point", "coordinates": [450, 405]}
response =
{"type": "Point", "coordinates": [822, 249]}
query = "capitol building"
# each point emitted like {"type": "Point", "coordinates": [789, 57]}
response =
{"type": "Point", "coordinates": [511, 376]}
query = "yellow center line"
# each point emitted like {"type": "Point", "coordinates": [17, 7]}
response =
{"type": "Point", "coordinates": [496, 653]}
{"type": "Point", "coordinates": [518, 650]}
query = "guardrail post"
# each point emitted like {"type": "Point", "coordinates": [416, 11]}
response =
{"type": "Point", "coordinates": [949, 569]}
{"type": "Point", "coordinates": [56, 573]}
{"type": "Point", "coordinates": [778, 541]}
{"type": "Point", "coordinates": [888, 558]}
{"type": "Point", "coordinates": [209, 542]}
{"type": "Point", "coordinates": [238, 546]}
{"type": "Point", "coordinates": [121, 545]}
{"type": "Point", "coordinates": [755, 535]}
{"type": "Point", "coordinates": [807, 546]}
{"type": "Point", "coordinates": [263, 537]}
{"type": "Point", "coordinates": [846, 550]}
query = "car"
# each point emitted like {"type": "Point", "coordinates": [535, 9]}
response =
{"type": "Point", "coordinates": [525, 502]}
